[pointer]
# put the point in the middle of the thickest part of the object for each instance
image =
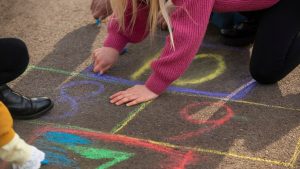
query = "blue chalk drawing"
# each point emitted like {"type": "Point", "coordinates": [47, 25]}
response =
{"type": "Point", "coordinates": [62, 143]}
{"type": "Point", "coordinates": [57, 153]}
{"type": "Point", "coordinates": [66, 139]}
{"type": "Point", "coordinates": [60, 160]}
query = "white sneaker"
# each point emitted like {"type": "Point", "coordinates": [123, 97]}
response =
{"type": "Point", "coordinates": [34, 162]}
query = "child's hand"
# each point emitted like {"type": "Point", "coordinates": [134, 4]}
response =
{"type": "Point", "coordinates": [132, 96]}
{"type": "Point", "coordinates": [104, 58]}
{"type": "Point", "coordinates": [101, 9]}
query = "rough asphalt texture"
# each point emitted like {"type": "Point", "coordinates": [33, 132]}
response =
{"type": "Point", "coordinates": [253, 127]}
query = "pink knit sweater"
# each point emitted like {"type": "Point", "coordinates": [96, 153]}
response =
{"type": "Point", "coordinates": [189, 23]}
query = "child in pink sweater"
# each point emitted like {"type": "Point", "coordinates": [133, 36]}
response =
{"type": "Point", "coordinates": [187, 26]}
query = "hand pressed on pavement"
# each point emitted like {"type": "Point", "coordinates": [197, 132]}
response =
{"type": "Point", "coordinates": [133, 96]}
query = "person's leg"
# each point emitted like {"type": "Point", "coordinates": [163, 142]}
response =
{"type": "Point", "coordinates": [276, 51]}
{"type": "Point", "coordinates": [13, 62]}
{"type": "Point", "coordinates": [12, 148]}
{"type": "Point", "coordinates": [13, 59]}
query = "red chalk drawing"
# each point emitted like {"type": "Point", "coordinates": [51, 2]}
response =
{"type": "Point", "coordinates": [192, 118]}
{"type": "Point", "coordinates": [176, 158]}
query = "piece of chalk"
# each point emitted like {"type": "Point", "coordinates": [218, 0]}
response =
{"type": "Point", "coordinates": [45, 162]}
{"type": "Point", "coordinates": [125, 50]}
{"type": "Point", "coordinates": [98, 22]}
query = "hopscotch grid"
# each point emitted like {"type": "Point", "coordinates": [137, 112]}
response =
{"type": "Point", "coordinates": [296, 154]}
{"type": "Point", "coordinates": [239, 101]}
{"type": "Point", "coordinates": [130, 117]}
{"type": "Point", "coordinates": [77, 74]}
{"type": "Point", "coordinates": [120, 126]}
{"type": "Point", "coordinates": [290, 164]}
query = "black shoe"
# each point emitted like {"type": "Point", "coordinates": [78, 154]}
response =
{"type": "Point", "coordinates": [22, 107]}
{"type": "Point", "coordinates": [242, 34]}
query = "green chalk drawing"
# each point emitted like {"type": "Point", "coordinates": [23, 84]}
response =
{"type": "Point", "coordinates": [97, 154]}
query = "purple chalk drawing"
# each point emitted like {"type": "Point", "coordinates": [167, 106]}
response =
{"type": "Point", "coordinates": [110, 79]}
{"type": "Point", "coordinates": [73, 100]}
{"type": "Point", "coordinates": [245, 91]}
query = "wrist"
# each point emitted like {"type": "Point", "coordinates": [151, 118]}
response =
{"type": "Point", "coordinates": [156, 84]}
{"type": "Point", "coordinates": [115, 41]}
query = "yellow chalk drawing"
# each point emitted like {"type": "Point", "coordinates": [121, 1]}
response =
{"type": "Point", "coordinates": [295, 156]}
{"type": "Point", "coordinates": [144, 68]}
{"type": "Point", "coordinates": [130, 117]}
{"type": "Point", "coordinates": [217, 72]}
{"type": "Point", "coordinates": [181, 82]}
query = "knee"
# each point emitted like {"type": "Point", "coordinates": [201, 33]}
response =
{"type": "Point", "coordinates": [264, 76]}
{"type": "Point", "coordinates": [17, 50]}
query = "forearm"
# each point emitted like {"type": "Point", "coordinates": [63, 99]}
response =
{"type": "Point", "coordinates": [242, 5]}
{"type": "Point", "coordinates": [188, 30]}
{"type": "Point", "coordinates": [118, 38]}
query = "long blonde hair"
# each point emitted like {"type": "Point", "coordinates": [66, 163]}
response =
{"type": "Point", "coordinates": [156, 7]}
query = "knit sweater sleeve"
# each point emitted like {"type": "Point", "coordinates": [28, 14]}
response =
{"type": "Point", "coordinates": [189, 23]}
{"type": "Point", "coordinates": [117, 38]}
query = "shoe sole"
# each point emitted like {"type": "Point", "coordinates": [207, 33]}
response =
{"type": "Point", "coordinates": [36, 115]}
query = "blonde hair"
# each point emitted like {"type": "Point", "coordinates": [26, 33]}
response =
{"type": "Point", "coordinates": [156, 7]}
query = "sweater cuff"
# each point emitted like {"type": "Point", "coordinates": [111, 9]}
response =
{"type": "Point", "coordinates": [156, 84]}
{"type": "Point", "coordinates": [7, 137]}
{"type": "Point", "coordinates": [115, 41]}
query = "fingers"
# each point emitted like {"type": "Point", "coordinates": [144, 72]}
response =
{"type": "Point", "coordinates": [95, 69]}
{"type": "Point", "coordinates": [101, 67]}
{"type": "Point", "coordinates": [105, 68]}
{"type": "Point", "coordinates": [92, 5]}
{"type": "Point", "coordinates": [100, 9]}
{"type": "Point", "coordinates": [96, 8]}
{"type": "Point", "coordinates": [123, 97]}
{"type": "Point", "coordinates": [133, 96]}
{"type": "Point", "coordinates": [99, 64]}
{"type": "Point", "coordinates": [126, 99]}
{"type": "Point", "coordinates": [136, 101]}
{"type": "Point", "coordinates": [97, 14]}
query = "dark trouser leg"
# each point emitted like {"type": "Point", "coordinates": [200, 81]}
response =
{"type": "Point", "coordinates": [276, 51]}
{"type": "Point", "coordinates": [13, 59]}
{"type": "Point", "coordinates": [13, 62]}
